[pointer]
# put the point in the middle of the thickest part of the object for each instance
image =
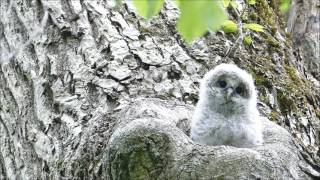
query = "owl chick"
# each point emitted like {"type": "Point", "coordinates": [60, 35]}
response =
{"type": "Point", "coordinates": [227, 113]}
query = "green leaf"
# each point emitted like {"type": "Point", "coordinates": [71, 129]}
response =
{"type": "Point", "coordinates": [148, 8]}
{"type": "Point", "coordinates": [284, 5]}
{"type": "Point", "coordinates": [229, 26]}
{"type": "Point", "coordinates": [254, 27]}
{"type": "Point", "coordinates": [198, 16]}
{"type": "Point", "coordinates": [251, 2]}
{"type": "Point", "coordinates": [225, 3]}
{"type": "Point", "coordinates": [234, 4]}
{"type": "Point", "coordinates": [247, 40]}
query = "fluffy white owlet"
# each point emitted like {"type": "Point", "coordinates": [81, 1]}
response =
{"type": "Point", "coordinates": [227, 113]}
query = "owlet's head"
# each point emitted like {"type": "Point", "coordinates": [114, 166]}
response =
{"type": "Point", "coordinates": [228, 89]}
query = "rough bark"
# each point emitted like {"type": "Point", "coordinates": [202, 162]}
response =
{"type": "Point", "coordinates": [304, 24]}
{"type": "Point", "coordinates": [81, 83]}
{"type": "Point", "coordinates": [153, 143]}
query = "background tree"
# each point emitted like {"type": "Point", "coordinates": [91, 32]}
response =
{"type": "Point", "coordinates": [74, 74]}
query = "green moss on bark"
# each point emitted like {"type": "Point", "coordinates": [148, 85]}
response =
{"type": "Point", "coordinates": [265, 12]}
{"type": "Point", "coordinates": [274, 116]}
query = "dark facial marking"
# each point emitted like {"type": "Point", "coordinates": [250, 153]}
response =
{"type": "Point", "coordinates": [242, 91]}
{"type": "Point", "coordinates": [239, 90]}
{"type": "Point", "coordinates": [222, 83]}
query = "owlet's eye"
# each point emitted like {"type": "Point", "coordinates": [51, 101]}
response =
{"type": "Point", "coordinates": [222, 83]}
{"type": "Point", "coordinates": [239, 90]}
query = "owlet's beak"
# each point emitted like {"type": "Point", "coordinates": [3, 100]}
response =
{"type": "Point", "coordinates": [228, 94]}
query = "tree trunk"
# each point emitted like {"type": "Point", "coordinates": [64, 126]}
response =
{"type": "Point", "coordinates": [91, 91]}
{"type": "Point", "coordinates": [304, 24]}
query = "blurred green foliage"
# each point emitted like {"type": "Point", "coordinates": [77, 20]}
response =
{"type": "Point", "coordinates": [199, 16]}
{"type": "Point", "coordinates": [251, 2]}
{"type": "Point", "coordinates": [148, 8]}
{"type": "Point", "coordinates": [254, 27]}
{"type": "Point", "coordinates": [229, 26]}
{"type": "Point", "coordinates": [247, 40]}
{"type": "Point", "coordinates": [284, 5]}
